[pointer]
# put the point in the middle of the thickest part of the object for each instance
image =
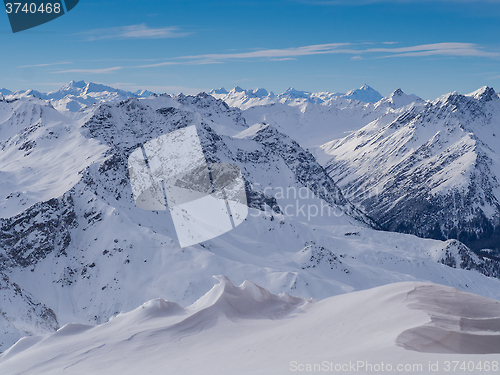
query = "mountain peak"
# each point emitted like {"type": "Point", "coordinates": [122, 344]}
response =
{"type": "Point", "coordinates": [364, 94]}
{"type": "Point", "coordinates": [77, 84]}
{"type": "Point", "coordinates": [221, 90]}
{"type": "Point", "coordinates": [237, 89]}
{"type": "Point", "coordinates": [485, 94]}
{"type": "Point", "coordinates": [293, 93]}
{"type": "Point", "coordinates": [260, 92]}
{"type": "Point", "coordinates": [398, 99]}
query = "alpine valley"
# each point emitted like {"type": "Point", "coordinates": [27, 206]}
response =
{"type": "Point", "coordinates": [347, 193]}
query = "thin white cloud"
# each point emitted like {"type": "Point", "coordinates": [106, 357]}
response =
{"type": "Point", "coordinates": [355, 51]}
{"type": "Point", "coordinates": [317, 49]}
{"type": "Point", "coordinates": [42, 65]}
{"type": "Point", "coordinates": [283, 59]}
{"type": "Point", "coordinates": [141, 31]}
{"type": "Point", "coordinates": [436, 49]}
{"type": "Point", "coordinates": [193, 62]}
{"type": "Point", "coordinates": [91, 71]}
{"type": "Point", "coordinates": [166, 63]}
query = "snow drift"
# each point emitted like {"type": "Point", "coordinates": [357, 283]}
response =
{"type": "Point", "coordinates": [247, 329]}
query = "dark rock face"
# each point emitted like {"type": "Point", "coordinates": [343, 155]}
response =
{"type": "Point", "coordinates": [457, 255]}
{"type": "Point", "coordinates": [307, 171]}
{"type": "Point", "coordinates": [40, 230]}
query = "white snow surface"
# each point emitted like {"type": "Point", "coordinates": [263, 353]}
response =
{"type": "Point", "coordinates": [248, 330]}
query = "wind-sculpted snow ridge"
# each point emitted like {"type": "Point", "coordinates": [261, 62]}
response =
{"type": "Point", "coordinates": [246, 330]}
{"type": "Point", "coordinates": [461, 323]}
{"type": "Point", "coordinates": [248, 301]}
{"type": "Point", "coordinates": [434, 171]}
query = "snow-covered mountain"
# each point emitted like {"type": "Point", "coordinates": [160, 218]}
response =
{"type": "Point", "coordinates": [75, 248]}
{"type": "Point", "coordinates": [241, 98]}
{"type": "Point", "coordinates": [399, 99]}
{"type": "Point", "coordinates": [399, 328]}
{"type": "Point", "coordinates": [245, 99]}
{"type": "Point", "coordinates": [78, 94]}
{"type": "Point", "coordinates": [4, 91]}
{"type": "Point", "coordinates": [313, 124]}
{"type": "Point", "coordinates": [434, 171]}
{"type": "Point", "coordinates": [364, 94]}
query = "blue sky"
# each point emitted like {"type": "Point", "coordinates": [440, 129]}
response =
{"type": "Point", "coordinates": [425, 47]}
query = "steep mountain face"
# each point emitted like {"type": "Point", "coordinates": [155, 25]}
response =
{"type": "Point", "coordinates": [75, 248]}
{"type": "Point", "coordinates": [434, 171]}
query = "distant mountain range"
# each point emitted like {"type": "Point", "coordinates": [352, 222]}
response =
{"type": "Point", "coordinates": [244, 99]}
{"type": "Point", "coordinates": [78, 94]}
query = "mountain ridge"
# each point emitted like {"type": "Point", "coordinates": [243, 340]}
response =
{"type": "Point", "coordinates": [442, 155]}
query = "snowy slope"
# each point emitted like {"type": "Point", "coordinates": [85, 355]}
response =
{"type": "Point", "coordinates": [433, 171]}
{"type": "Point", "coordinates": [248, 330]}
{"type": "Point", "coordinates": [42, 154]}
{"type": "Point", "coordinates": [89, 252]}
